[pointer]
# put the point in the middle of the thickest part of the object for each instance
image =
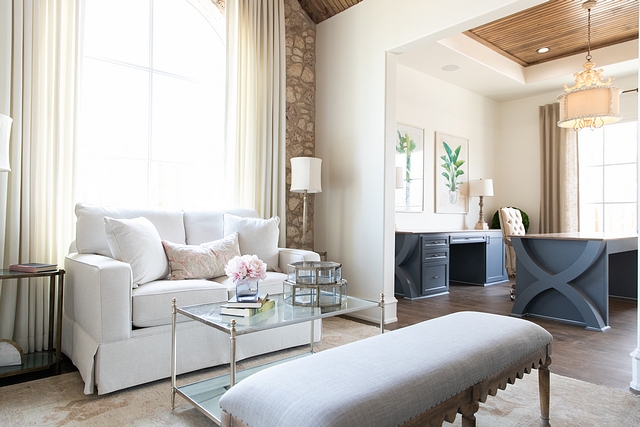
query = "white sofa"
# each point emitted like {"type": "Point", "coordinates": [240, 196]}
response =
{"type": "Point", "coordinates": [117, 330]}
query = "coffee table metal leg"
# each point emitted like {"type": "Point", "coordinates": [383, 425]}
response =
{"type": "Point", "coordinates": [382, 313]}
{"type": "Point", "coordinates": [232, 354]}
{"type": "Point", "coordinates": [313, 322]}
{"type": "Point", "coordinates": [173, 353]}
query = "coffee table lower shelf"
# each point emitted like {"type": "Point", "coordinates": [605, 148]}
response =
{"type": "Point", "coordinates": [205, 394]}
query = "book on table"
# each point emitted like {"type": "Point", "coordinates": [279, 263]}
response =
{"type": "Point", "coordinates": [255, 302]}
{"type": "Point", "coordinates": [248, 312]}
{"type": "Point", "coordinates": [33, 267]}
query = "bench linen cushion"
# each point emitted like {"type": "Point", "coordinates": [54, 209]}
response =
{"type": "Point", "coordinates": [385, 380]}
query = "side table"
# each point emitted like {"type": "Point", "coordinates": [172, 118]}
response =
{"type": "Point", "coordinates": [41, 360]}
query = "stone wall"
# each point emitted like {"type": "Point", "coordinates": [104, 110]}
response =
{"type": "Point", "coordinates": [300, 34]}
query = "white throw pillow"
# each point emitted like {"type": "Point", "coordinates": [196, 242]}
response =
{"type": "Point", "coordinates": [137, 242]}
{"type": "Point", "coordinates": [256, 236]}
{"type": "Point", "coordinates": [205, 261]}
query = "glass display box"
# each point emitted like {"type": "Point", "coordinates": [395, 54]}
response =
{"type": "Point", "coordinates": [315, 284]}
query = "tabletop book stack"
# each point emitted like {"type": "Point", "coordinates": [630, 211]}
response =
{"type": "Point", "coordinates": [248, 308]}
{"type": "Point", "coordinates": [33, 267]}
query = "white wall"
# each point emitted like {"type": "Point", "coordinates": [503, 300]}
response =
{"type": "Point", "coordinates": [437, 106]}
{"type": "Point", "coordinates": [354, 215]}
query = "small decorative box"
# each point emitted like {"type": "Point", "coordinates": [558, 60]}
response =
{"type": "Point", "coordinates": [315, 284]}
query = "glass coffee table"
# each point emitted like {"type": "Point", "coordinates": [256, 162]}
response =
{"type": "Point", "coordinates": [206, 394]}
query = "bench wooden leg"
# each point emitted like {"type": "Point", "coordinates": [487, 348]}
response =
{"type": "Point", "coordinates": [469, 415]}
{"type": "Point", "coordinates": [543, 390]}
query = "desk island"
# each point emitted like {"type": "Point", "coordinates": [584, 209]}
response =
{"type": "Point", "coordinates": [570, 276]}
{"type": "Point", "coordinates": [425, 261]}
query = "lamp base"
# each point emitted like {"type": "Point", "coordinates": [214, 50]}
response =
{"type": "Point", "coordinates": [481, 226]}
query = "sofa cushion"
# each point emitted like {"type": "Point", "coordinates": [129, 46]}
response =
{"type": "Point", "coordinates": [137, 242]}
{"type": "Point", "coordinates": [256, 237]}
{"type": "Point", "coordinates": [207, 225]}
{"type": "Point", "coordinates": [203, 261]}
{"type": "Point", "coordinates": [152, 301]}
{"type": "Point", "coordinates": [90, 236]}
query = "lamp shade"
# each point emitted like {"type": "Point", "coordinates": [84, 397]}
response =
{"type": "Point", "coordinates": [481, 187]}
{"type": "Point", "coordinates": [5, 130]}
{"type": "Point", "coordinates": [589, 107]}
{"type": "Point", "coordinates": [305, 175]}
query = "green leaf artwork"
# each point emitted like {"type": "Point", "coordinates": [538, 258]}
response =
{"type": "Point", "coordinates": [405, 146]}
{"type": "Point", "coordinates": [452, 166]}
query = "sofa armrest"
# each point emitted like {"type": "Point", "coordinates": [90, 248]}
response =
{"type": "Point", "coordinates": [289, 256]}
{"type": "Point", "coordinates": [97, 296]}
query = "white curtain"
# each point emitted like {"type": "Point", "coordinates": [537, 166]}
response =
{"type": "Point", "coordinates": [38, 92]}
{"type": "Point", "coordinates": [559, 210]}
{"type": "Point", "coordinates": [256, 104]}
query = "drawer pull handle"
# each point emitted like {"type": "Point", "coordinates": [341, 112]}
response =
{"type": "Point", "coordinates": [435, 277]}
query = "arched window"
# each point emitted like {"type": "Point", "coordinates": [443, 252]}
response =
{"type": "Point", "coordinates": [151, 117]}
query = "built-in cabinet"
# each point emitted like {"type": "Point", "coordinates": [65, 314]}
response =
{"type": "Point", "coordinates": [425, 262]}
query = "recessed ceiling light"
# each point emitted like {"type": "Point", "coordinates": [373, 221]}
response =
{"type": "Point", "coordinates": [543, 50]}
{"type": "Point", "coordinates": [451, 67]}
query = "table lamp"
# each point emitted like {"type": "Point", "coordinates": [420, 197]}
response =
{"type": "Point", "coordinates": [481, 188]}
{"type": "Point", "coordinates": [5, 130]}
{"type": "Point", "coordinates": [305, 178]}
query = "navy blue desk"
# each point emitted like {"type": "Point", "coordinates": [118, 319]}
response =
{"type": "Point", "coordinates": [426, 261]}
{"type": "Point", "coordinates": [570, 276]}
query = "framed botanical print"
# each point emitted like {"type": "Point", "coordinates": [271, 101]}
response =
{"type": "Point", "coordinates": [452, 174]}
{"type": "Point", "coordinates": [409, 168]}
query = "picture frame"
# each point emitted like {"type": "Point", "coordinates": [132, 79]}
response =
{"type": "Point", "coordinates": [409, 144]}
{"type": "Point", "coordinates": [451, 174]}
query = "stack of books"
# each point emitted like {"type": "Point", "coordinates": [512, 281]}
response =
{"type": "Point", "coordinates": [33, 267]}
{"type": "Point", "coordinates": [247, 309]}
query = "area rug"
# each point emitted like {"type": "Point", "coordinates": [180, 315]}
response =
{"type": "Point", "coordinates": [59, 400]}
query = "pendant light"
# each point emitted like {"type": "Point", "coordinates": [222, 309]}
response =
{"type": "Point", "coordinates": [591, 102]}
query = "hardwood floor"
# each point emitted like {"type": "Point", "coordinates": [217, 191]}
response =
{"type": "Point", "coordinates": [596, 357]}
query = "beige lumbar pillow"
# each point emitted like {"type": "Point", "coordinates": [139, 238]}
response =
{"type": "Point", "coordinates": [137, 242]}
{"type": "Point", "coordinates": [205, 261]}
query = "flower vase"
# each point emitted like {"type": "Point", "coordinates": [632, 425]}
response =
{"type": "Point", "coordinates": [246, 290]}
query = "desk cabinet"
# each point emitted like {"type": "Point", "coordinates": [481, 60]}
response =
{"type": "Point", "coordinates": [426, 262]}
{"type": "Point", "coordinates": [435, 265]}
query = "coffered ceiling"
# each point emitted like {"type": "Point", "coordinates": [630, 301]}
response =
{"type": "Point", "coordinates": [561, 26]}
{"type": "Point", "coordinates": [499, 60]}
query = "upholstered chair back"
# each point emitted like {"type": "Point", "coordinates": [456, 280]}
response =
{"type": "Point", "coordinates": [511, 223]}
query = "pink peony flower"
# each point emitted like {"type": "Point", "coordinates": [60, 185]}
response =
{"type": "Point", "coordinates": [246, 267]}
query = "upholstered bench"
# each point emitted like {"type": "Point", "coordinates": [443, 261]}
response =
{"type": "Point", "coordinates": [420, 375]}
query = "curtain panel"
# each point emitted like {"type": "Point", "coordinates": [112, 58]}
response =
{"type": "Point", "coordinates": [37, 208]}
{"type": "Point", "coordinates": [256, 105]}
{"type": "Point", "coordinates": [559, 204]}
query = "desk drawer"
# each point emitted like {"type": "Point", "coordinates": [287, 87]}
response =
{"type": "Point", "coordinates": [434, 278]}
{"type": "Point", "coordinates": [435, 255]}
{"type": "Point", "coordinates": [429, 242]}
{"type": "Point", "coordinates": [467, 238]}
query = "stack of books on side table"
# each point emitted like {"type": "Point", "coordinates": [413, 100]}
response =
{"type": "Point", "coordinates": [247, 308]}
{"type": "Point", "coordinates": [33, 267]}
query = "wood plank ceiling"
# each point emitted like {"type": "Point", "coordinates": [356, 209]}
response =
{"type": "Point", "coordinates": [560, 25]}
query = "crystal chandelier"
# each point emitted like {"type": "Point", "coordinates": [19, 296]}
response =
{"type": "Point", "coordinates": [591, 102]}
